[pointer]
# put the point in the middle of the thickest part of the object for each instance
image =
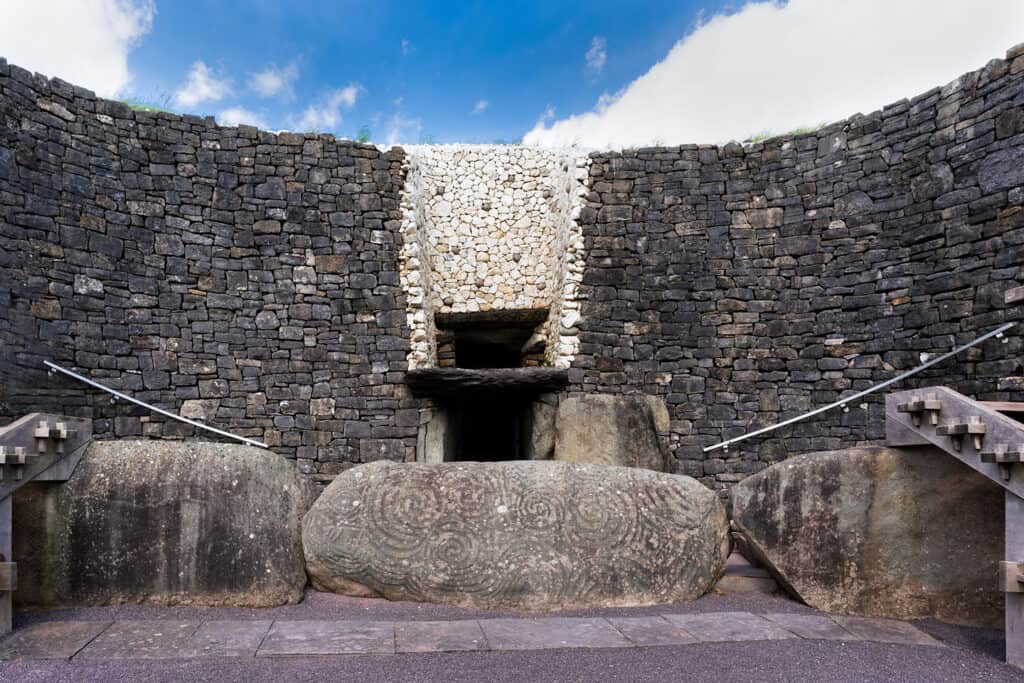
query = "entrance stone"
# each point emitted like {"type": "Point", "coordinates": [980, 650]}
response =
{"type": "Point", "coordinates": [529, 535]}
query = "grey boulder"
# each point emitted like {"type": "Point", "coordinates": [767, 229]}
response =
{"type": "Point", "coordinates": [881, 532]}
{"type": "Point", "coordinates": [529, 535]}
{"type": "Point", "coordinates": [164, 522]}
{"type": "Point", "coordinates": [608, 429]}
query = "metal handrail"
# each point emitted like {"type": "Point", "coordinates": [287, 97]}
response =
{"type": "Point", "coordinates": [849, 399]}
{"type": "Point", "coordinates": [54, 367]}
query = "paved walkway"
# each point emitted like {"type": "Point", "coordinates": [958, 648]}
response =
{"type": "Point", "coordinates": [170, 639]}
{"type": "Point", "coordinates": [327, 637]}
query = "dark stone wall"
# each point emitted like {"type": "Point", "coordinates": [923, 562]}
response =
{"type": "Point", "coordinates": [246, 278]}
{"type": "Point", "coordinates": [250, 279]}
{"type": "Point", "coordinates": [748, 284]}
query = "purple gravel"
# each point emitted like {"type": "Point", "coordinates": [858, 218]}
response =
{"type": "Point", "coordinates": [817, 661]}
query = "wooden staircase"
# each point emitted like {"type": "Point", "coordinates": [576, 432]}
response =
{"type": "Point", "coordinates": [987, 437]}
{"type": "Point", "coordinates": [38, 447]}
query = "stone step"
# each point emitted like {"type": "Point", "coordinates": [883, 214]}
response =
{"type": "Point", "coordinates": [743, 577]}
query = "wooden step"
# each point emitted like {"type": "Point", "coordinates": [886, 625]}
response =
{"type": "Point", "coordinates": [973, 425]}
{"type": "Point", "coordinates": [930, 404]}
{"type": "Point", "coordinates": [1003, 454]}
{"type": "Point", "coordinates": [1004, 406]}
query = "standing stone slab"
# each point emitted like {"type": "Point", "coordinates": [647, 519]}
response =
{"type": "Point", "coordinates": [165, 523]}
{"type": "Point", "coordinates": [881, 532]}
{"type": "Point", "coordinates": [605, 429]}
{"type": "Point", "coordinates": [529, 535]}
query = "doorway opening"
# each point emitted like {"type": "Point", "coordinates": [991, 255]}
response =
{"type": "Point", "coordinates": [491, 339]}
{"type": "Point", "coordinates": [486, 431]}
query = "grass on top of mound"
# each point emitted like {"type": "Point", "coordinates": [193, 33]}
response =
{"type": "Point", "coordinates": [802, 130]}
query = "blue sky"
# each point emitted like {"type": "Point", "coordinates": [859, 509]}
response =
{"type": "Point", "coordinates": [519, 57]}
{"type": "Point", "coordinates": [592, 74]}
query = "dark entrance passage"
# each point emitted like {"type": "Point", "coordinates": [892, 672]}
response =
{"type": "Point", "coordinates": [493, 339]}
{"type": "Point", "coordinates": [486, 415]}
{"type": "Point", "coordinates": [486, 431]}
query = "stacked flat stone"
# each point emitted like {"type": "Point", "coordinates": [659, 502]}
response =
{"type": "Point", "coordinates": [746, 284]}
{"type": "Point", "coordinates": [280, 285]}
{"type": "Point", "coordinates": [245, 278]}
{"type": "Point", "coordinates": [492, 227]}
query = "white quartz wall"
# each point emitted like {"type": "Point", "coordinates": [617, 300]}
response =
{"type": "Point", "coordinates": [492, 228]}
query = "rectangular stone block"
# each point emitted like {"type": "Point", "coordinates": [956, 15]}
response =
{"type": "Point", "coordinates": [551, 633]}
{"type": "Point", "coordinates": [51, 639]}
{"type": "Point", "coordinates": [329, 638]}
{"type": "Point", "coordinates": [810, 626]}
{"type": "Point", "coordinates": [142, 639]}
{"type": "Point", "coordinates": [885, 631]}
{"type": "Point", "coordinates": [729, 627]}
{"type": "Point", "coordinates": [439, 636]}
{"type": "Point", "coordinates": [235, 638]}
{"type": "Point", "coordinates": [647, 631]}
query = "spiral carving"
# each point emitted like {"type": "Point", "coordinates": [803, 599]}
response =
{"type": "Point", "coordinates": [525, 535]}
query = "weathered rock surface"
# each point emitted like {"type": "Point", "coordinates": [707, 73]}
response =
{"type": "Point", "coordinates": [165, 523]}
{"type": "Point", "coordinates": [886, 532]}
{"type": "Point", "coordinates": [522, 535]}
{"type": "Point", "coordinates": [610, 429]}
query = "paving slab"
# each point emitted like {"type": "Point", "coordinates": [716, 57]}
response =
{"type": "Point", "coordinates": [810, 626]}
{"type": "Point", "coordinates": [551, 633]}
{"type": "Point", "coordinates": [885, 631]}
{"type": "Point", "coordinates": [729, 627]}
{"type": "Point", "coordinates": [51, 640]}
{"type": "Point", "coordinates": [228, 638]}
{"type": "Point", "coordinates": [648, 631]}
{"type": "Point", "coordinates": [329, 638]}
{"type": "Point", "coordinates": [141, 639]}
{"type": "Point", "coordinates": [439, 636]}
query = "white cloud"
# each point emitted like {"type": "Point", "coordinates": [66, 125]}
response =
{"type": "Point", "coordinates": [85, 42]}
{"type": "Point", "coordinates": [403, 130]}
{"type": "Point", "coordinates": [597, 55]}
{"type": "Point", "coordinates": [201, 85]}
{"type": "Point", "coordinates": [274, 81]}
{"type": "Point", "coordinates": [480, 107]}
{"type": "Point", "coordinates": [774, 67]}
{"type": "Point", "coordinates": [407, 48]}
{"type": "Point", "coordinates": [326, 115]}
{"type": "Point", "coordinates": [234, 116]}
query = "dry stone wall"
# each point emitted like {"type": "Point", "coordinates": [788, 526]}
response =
{"type": "Point", "coordinates": [492, 228]}
{"type": "Point", "coordinates": [280, 285]}
{"type": "Point", "coordinates": [245, 278]}
{"type": "Point", "coordinates": [748, 284]}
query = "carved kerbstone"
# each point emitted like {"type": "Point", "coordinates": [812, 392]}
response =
{"type": "Point", "coordinates": [522, 535]}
